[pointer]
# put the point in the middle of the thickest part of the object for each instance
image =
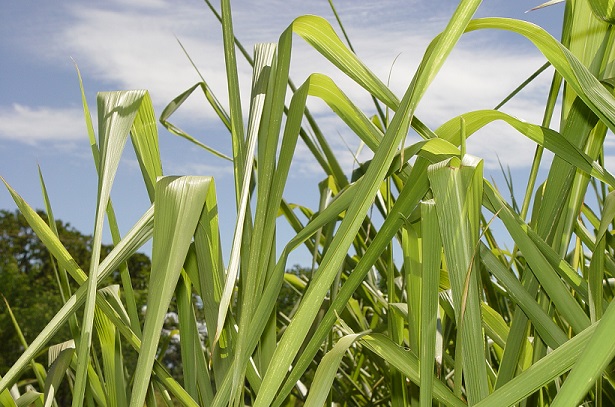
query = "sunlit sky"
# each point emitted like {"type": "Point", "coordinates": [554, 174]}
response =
{"type": "Point", "coordinates": [133, 44]}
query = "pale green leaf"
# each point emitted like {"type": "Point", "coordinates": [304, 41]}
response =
{"type": "Point", "coordinates": [327, 368]}
{"type": "Point", "coordinates": [116, 113]}
{"type": "Point", "coordinates": [457, 189]}
{"type": "Point", "coordinates": [31, 397]}
{"type": "Point", "coordinates": [179, 203]}
{"type": "Point", "coordinates": [57, 371]}
{"type": "Point", "coordinates": [432, 257]}
{"type": "Point", "coordinates": [591, 364]}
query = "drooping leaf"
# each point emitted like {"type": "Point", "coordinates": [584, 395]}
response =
{"type": "Point", "coordinates": [179, 203]}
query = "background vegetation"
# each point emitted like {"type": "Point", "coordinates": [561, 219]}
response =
{"type": "Point", "coordinates": [29, 285]}
{"type": "Point", "coordinates": [459, 320]}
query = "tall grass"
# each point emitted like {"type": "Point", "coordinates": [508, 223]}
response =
{"type": "Point", "coordinates": [457, 321]}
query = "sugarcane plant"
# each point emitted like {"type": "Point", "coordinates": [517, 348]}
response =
{"type": "Point", "coordinates": [452, 318]}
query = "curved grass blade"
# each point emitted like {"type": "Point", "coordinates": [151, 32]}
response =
{"type": "Point", "coordinates": [232, 81]}
{"type": "Point", "coordinates": [457, 188]}
{"type": "Point", "coordinates": [596, 266]}
{"type": "Point", "coordinates": [584, 83]}
{"type": "Point", "coordinates": [545, 137]}
{"type": "Point", "coordinates": [546, 4]}
{"type": "Point", "coordinates": [591, 364]}
{"type": "Point", "coordinates": [432, 257]}
{"type": "Point", "coordinates": [61, 275]}
{"type": "Point", "coordinates": [381, 114]}
{"type": "Point", "coordinates": [540, 373]}
{"type": "Point", "coordinates": [264, 54]}
{"type": "Point", "coordinates": [110, 349]}
{"type": "Point", "coordinates": [145, 141]}
{"type": "Point", "coordinates": [179, 203]}
{"type": "Point", "coordinates": [539, 265]}
{"type": "Point", "coordinates": [327, 368]}
{"type": "Point", "coordinates": [47, 237]}
{"type": "Point", "coordinates": [116, 113]}
{"type": "Point", "coordinates": [57, 371]}
{"type": "Point", "coordinates": [195, 370]}
{"type": "Point", "coordinates": [548, 330]}
{"type": "Point", "coordinates": [144, 137]}
{"type": "Point", "coordinates": [30, 398]}
{"type": "Point", "coordinates": [176, 103]}
{"type": "Point", "coordinates": [604, 10]}
{"type": "Point", "coordinates": [407, 363]}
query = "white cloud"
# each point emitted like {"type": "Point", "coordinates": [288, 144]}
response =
{"type": "Point", "coordinates": [132, 50]}
{"type": "Point", "coordinates": [42, 124]}
{"type": "Point", "coordinates": [609, 163]}
{"type": "Point", "coordinates": [219, 170]}
{"type": "Point", "coordinates": [497, 143]}
{"type": "Point", "coordinates": [132, 45]}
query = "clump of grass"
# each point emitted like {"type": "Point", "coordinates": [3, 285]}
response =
{"type": "Point", "coordinates": [458, 320]}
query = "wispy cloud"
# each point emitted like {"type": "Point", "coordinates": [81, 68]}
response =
{"type": "Point", "coordinates": [132, 45]}
{"type": "Point", "coordinates": [132, 49]}
{"type": "Point", "coordinates": [35, 125]}
{"type": "Point", "coordinates": [218, 170]}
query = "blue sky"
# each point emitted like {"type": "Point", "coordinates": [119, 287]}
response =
{"type": "Point", "coordinates": [129, 45]}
